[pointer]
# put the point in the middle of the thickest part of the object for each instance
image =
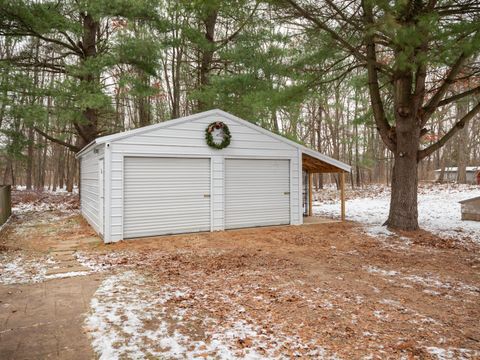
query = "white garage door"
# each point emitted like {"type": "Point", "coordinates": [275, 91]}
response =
{"type": "Point", "coordinates": [166, 196]}
{"type": "Point", "coordinates": [257, 193]}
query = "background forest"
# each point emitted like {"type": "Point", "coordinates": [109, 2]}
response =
{"type": "Point", "coordinates": [71, 71]}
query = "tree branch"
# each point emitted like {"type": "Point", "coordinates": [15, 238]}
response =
{"type": "Point", "coordinates": [57, 141]}
{"type": "Point", "coordinates": [349, 47]}
{"type": "Point", "coordinates": [28, 30]}
{"type": "Point", "coordinates": [240, 28]}
{"type": "Point", "coordinates": [429, 109]}
{"type": "Point", "coordinates": [57, 69]}
{"type": "Point", "coordinates": [459, 96]}
{"type": "Point", "coordinates": [455, 128]}
{"type": "Point", "coordinates": [341, 13]}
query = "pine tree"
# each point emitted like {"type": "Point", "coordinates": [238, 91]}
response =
{"type": "Point", "coordinates": [81, 41]}
{"type": "Point", "coordinates": [413, 52]}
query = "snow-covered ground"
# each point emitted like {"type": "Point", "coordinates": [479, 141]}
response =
{"type": "Point", "coordinates": [62, 190]}
{"type": "Point", "coordinates": [131, 317]}
{"type": "Point", "coordinates": [24, 201]}
{"type": "Point", "coordinates": [19, 268]}
{"type": "Point", "coordinates": [438, 211]}
{"type": "Point", "coordinates": [22, 208]}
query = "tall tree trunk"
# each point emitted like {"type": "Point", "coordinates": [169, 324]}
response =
{"type": "Point", "coordinates": [462, 144]}
{"type": "Point", "coordinates": [8, 178]}
{"type": "Point", "coordinates": [43, 166]}
{"type": "Point", "coordinates": [403, 205]}
{"type": "Point", "coordinates": [71, 165]}
{"type": "Point", "coordinates": [207, 52]}
{"type": "Point", "coordinates": [29, 170]}
{"type": "Point", "coordinates": [88, 129]}
{"type": "Point", "coordinates": [143, 102]}
{"type": "Point", "coordinates": [176, 82]}
{"type": "Point", "coordinates": [319, 144]}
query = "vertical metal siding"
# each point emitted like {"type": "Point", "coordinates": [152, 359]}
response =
{"type": "Point", "coordinates": [218, 210]}
{"type": "Point", "coordinates": [89, 188]}
{"type": "Point", "coordinates": [257, 192]}
{"type": "Point", "coordinates": [101, 196]}
{"type": "Point", "coordinates": [166, 196]}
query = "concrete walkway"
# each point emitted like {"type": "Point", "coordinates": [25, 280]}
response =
{"type": "Point", "coordinates": [44, 320]}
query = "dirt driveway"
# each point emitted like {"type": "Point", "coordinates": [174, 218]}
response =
{"type": "Point", "coordinates": [315, 291]}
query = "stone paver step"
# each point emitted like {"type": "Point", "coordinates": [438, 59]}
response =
{"type": "Point", "coordinates": [68, 247]}
{"type": "Point", "coordinates": [66, 257]}
{"type": "Point", "coordinates": [67, 263]}
{"type": "Point", "coordinates": [90, 240]}
{"type": "Point", "coordinates": [62, 252]}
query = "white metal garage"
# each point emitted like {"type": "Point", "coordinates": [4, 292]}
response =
{"type": "Point", "coordinates": [206, 172]}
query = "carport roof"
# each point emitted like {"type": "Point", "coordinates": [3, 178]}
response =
{"type": "Point", "coordinates": [313, 161]}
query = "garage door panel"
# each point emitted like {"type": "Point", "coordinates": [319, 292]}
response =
{"type": "Point", "coordinates": [166, 196]}
{"type": "Point", "coordinates": [257, 193]}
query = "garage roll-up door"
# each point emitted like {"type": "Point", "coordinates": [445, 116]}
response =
{"type": "Point", "coordinates": [166, 196]}
{"type": "Point", "coordinates": [257, 193]}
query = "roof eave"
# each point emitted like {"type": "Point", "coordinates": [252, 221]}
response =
{"type": "Point", "coordinates": [468, 200]}
{"type": "Point", "coordinates": [85, 149]}
{"type": "Point", "coordinates": [327, 159]}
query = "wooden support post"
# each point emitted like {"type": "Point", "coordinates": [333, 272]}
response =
{"type": "Point", "coordinates": [342, 194]}
{"type": "Point", "coordinates": [310, 194]}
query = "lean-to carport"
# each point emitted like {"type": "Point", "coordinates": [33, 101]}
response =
{"type": "Point", "coordinates": [312, 164]}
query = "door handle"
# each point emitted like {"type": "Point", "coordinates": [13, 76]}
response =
{"type": "Point", "coordinates": [206, 195]}
{"type": "Point", "coordinates": [286, 193]}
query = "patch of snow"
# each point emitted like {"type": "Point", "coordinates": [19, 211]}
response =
{"type": "Point", "coordinates": [66, 275]}
{"type": "Point", "coordinates": [438, 211]}
{"type": "Point", "coordinates": [431, 292]}
{"type": "Point", "coordinates": [133, 318]}
{"type": "Point", "coordinates": [22, 208]}
{"type": "Point", "coordinates": [430, 281]}
{"type": "Point", "coordinates": [379, 314]}
{"type": "Point", "coordinates": [391, 302]}
{"type": "Point", "coordinates": [375, 270]}
{"type": "Point", "coordinates": [452, 353]}
{"type": "Point", "coordinates": [20, 270]}
{"type": "Point", "coordinates": [92, 263]}
{"type": "Point", "coordinates": [378, 230]}
{"type": "Point", "coordinates": [434, 282]}
{"type": "Point", "coordinates": [16, 268]}
{"type": "Point", "coordinates": [62, 190]}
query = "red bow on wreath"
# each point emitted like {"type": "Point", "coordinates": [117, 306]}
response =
{"type": "Point", "coordinates": [216, 125]}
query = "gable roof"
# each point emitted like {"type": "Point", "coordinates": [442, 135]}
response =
{"type": "Point", "coordinates": [218, 112]}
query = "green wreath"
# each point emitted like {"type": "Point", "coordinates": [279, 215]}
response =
{"type": "Point", "coordinates": [226, 135]}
